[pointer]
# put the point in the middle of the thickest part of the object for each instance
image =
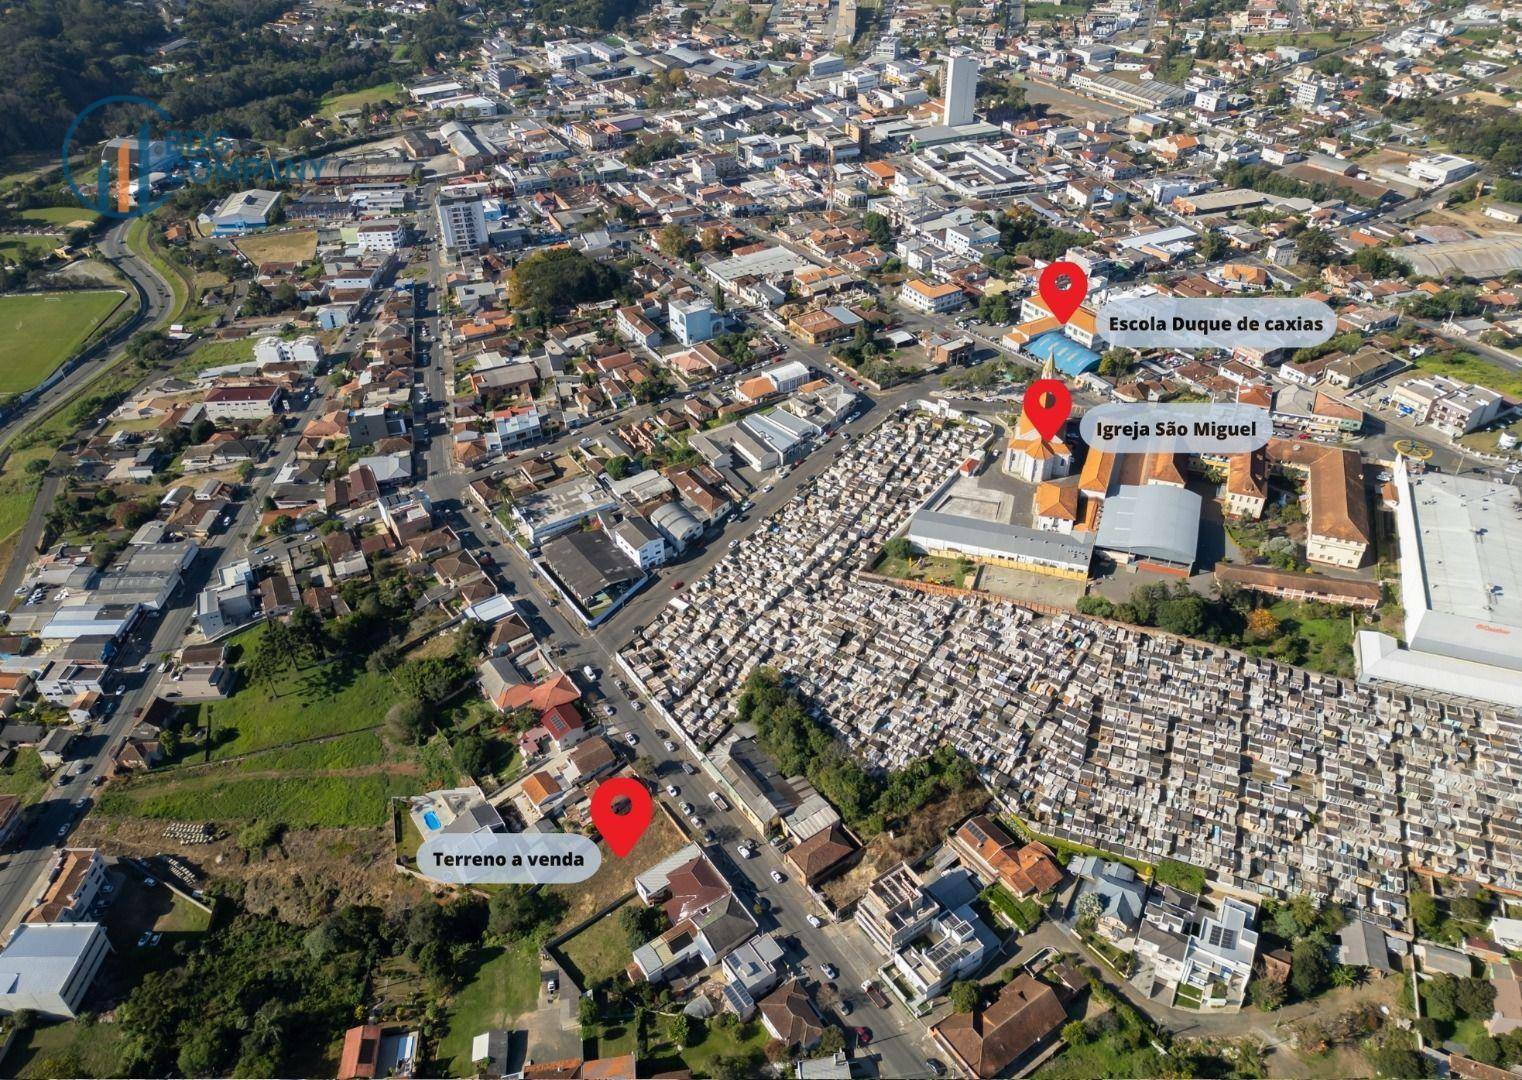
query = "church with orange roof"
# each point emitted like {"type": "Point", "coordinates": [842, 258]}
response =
{"type": "Point", "coordinates": [1032, 458]}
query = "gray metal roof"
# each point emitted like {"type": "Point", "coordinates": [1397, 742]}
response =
{"type": "Point", "coordinates": [1012, 540]}
{"type": "Point", "coordinates": [1155, 521]}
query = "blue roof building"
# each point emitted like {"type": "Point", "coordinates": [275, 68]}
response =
{"type": "Point", "coordinates": [1069, 357]}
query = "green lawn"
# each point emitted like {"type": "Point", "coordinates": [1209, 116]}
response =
{"type": "Point", "coordinates": [39, 331]}
{"type": "Point", "coordinates": [58, 215]}
{"type": "Point", "coordinates": [13, 246]}
{"type": "Point", "coordinates": [600, 951]}
{"type": "Point", "coordinates": [320, 699]}
{"type": "Point", "coordinates": [342, 752]}
{"type": "Point", "coordinates": [1320, 40]}
{"type": "Point", "coordinates": [68, 1049]}
{"type": "Point", "coordinates": [713, 1040]}
{"type": "Point", "coordinates": [1461, 364]}
{"type": "Point", "coordinates": [140, 240]}
{"type": "Point", "coordinates": [217, 354]}
{"type": "Point", "coordinates": [333, 104]}
{"type": "Point", "coordinates": [300, 801]}
{"type": "Point", "coordinates": [25, 777]}
{"type": "Point", "coordinates": [1023, 913]}
{"type": "Point", "coordinates": [504, 987]}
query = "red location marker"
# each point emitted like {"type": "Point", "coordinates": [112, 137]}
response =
{"type": "Point", "coordinates": [1047, 403]}
{"type": "Point", "coordinates": [621, 811]}
{"type": "Point", "coordinates": [1063, 301]}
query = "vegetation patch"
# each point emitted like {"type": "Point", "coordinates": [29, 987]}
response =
{"type": "Point", "coordinates": [39, 331]}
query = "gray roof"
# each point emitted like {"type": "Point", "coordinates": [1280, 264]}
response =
{"type": "Point", "coordinates": [1362, 944]}
{"type": "Point", "coordinates": [1013, 540]}
{"type": "Point", "coordinates": [588, 563]}
{"type": "Point", "coordinates": [40, 957]}
{"type": "Point", "coordinates": [1155, 521]}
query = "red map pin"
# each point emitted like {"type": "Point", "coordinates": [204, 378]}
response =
{"type": "Point", "coordinates": [621, 810]}
{"type": "Point", "coordinates": [1047, 403]}
{"type": "Point", "coordinates": [1063, 301]}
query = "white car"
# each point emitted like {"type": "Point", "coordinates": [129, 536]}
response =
{"type": "Point", "coordinates": [815, 921]}
{"type": "Point", "coordinates": [777, 877]}
{"type": "Point", "coordinates": [745, 850]}
{"type": "Point", "coordinates": [831, 972]}
{"type": "Point", "coordinates": [631, 738]}
{"type": "Point", "coordinates": [670, 746]}
{"type": "Point", "coordinates": [673, 790]}
{"type": "Point", "coordinates": [689, 809]}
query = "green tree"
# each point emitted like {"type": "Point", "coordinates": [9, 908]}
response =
{"type": "Point", "coordinates": [965, 995]}
{"type": "Point", "coordinates": [472, 756]}
{"type": "Point", "coordinates": [674, 241]}
{"type": "Point", "coordinates": [878, 227]}
{"type": "Point", "coordinates": [1309, 966]}
{"type": "Point", "coordinates": [1182, 615]}
{"type": "Point", "coordinates": [407, 722]}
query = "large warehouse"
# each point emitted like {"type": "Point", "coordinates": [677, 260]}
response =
{"type": "Point", "coordinates": [1461, 589]}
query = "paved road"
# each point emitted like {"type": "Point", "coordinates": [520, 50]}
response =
{"type": "Point", "coordinates": [154, 298]}
{"type": "Point", "coordinates": [66, 804]}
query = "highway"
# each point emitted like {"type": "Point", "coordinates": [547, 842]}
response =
{"type": "Point", "coordinates": [66, 803]}
{"type": "Point", "coordinates": [154, 300]}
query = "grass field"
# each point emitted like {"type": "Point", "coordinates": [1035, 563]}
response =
{"type": "Point", "coordinates": [39, 331]}
{"type": "Point", "coordinates": [59, 215]}
{"type": "Point", "coordinates": [70, 1049]}
{"type": "Point", "coordinates": [297, 246]}
{"type": "Point", "coordinates": [319, 699]}
{"type": "Point", "coordinates": [613, 876]}
{"type": "Point", "coordinates": [333, 104]}
{"type": "Point", "coordinates": [216, 354]}
{"type": "Point", "coordinates": [600, 951]}
{"type": "Point", "coordinates": [713, 1040]}
{"type": "Point", "coordinates": [504, 987]}
{"type": "Point", "coordinates": [13, 246]}
{"type": "Point", "coordinates": [1470, 367]}
{"type": "Point", "coordinates": [24, 777]}
{"type": "Point", "coordinates": [301, 801]}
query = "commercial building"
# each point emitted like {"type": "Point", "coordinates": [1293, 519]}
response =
{"type": "Point", "coordinates": [462, 224]}
{"type": "Point", "coordinates": [243, 212]}
{"type": "Point", "coordinates": [48, 967]}
{"type": "Point", "coordinates": [1460, 587]}
{"type": "Point", "coordinates": [242, 402]}
{"type": "Point", "coordinates": [961, 90]}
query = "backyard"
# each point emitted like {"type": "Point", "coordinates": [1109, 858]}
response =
{"type": "Point", "coordinates": [502, 988]}
{"type": "Point", "coordinates": [39, 331]}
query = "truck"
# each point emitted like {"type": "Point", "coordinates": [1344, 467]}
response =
{"type": "Point", "coordinates": [719, 801]}
{"type": "Point", "coordinates": [875, 994]}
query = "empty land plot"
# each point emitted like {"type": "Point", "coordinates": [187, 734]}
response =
{"type": "Point", "coordinates": [297, 246]}
{"type": "Point", "coordinates": [39, 331]}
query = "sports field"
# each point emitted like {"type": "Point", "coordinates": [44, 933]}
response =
{"type": "Point", "coordinates": [39, 331]}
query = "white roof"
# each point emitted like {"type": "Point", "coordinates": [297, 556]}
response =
{"type": "Point", "coordinates": [40, 957]}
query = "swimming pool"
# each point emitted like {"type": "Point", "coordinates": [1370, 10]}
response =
{"type": "Point", "coordinates": [430, 819]}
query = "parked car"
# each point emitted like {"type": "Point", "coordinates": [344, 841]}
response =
{"type": "Point", "coordinates": [631, 738]}
{"type": "Point", "coordinates": [815, 921]}
{"type": "Point", "coordinates": [670, 746]}
{"type": "Point", "coordinates": [673, 790]}
{"type": "Point", "coordinates": [831, 972]}
{"type": "Point", "coordinates": [777, 877]}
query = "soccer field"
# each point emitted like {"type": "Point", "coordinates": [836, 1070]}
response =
{"type": "Point", "coordinates": [39, 331]}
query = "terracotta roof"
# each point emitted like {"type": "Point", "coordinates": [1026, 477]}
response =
{"type": "Point", "coordinates": [1166, 469]}
{"type": "Point", "coordinates": [541, 696]}
{"type": "Point", "coordinates": [1094, 479]}
{"type": "Point", "coordinates": [1247, 474]}
{"type": "Point", "coordinates": [1057, 501]}
{"type": "Point", "coordinates": [821, 853]}
{"type": "Point", "coordinates": [1339, 510]}
{"type": "Point", "coordinates": [988, 1041]}
{"type": "Point", "coordinates": [361, 1047]}
{"type": "Point", "coordinates": [790, 1013]}
{"type": "Point", "coordinates": [540, 788]}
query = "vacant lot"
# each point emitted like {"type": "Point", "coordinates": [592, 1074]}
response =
{"type": "Point", "coordinates": [1470, 367]}
{"type": "Point", "coordinates": [600, 951]}
{"type": "Point", "coordinates": [615, 876]}
{"type": "Point", "coordinates": [15, 246]}
{"type": "Point", "coordinates": [333, 104]}
{"type": "Point", "coordinates": [329, 698]}
{"type": "Point", "coordinates": [295, 799]}
{"type": "Point", "coordinates": [296, 246]}
{"type": "Point", "coordinates": [217, 354]}
{"type": "Point", "coordinates": [39, 331]}
{"type": "Point", "coordinates": [25, 777]}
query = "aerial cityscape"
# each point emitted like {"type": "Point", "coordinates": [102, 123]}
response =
{"type": "Point", "coordinates": [720, 538]}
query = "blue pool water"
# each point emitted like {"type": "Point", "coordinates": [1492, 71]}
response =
{"type": "Point", "coordinates": [430, 819]}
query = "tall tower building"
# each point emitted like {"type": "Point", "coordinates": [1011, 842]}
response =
{"type": "Point", "coordinates": [960, 89]}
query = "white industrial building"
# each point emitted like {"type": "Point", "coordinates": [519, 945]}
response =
{"type": "Point", "coordinates": [1460, 588]}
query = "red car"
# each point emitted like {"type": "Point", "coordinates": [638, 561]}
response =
{"type": "Point", "coordinates": [676, 585]}
{"type": "Point", "coordinates": [863, 1036]}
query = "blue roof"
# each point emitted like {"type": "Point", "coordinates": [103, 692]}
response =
{"type": "Point", "coordinates": [1070, 357]}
